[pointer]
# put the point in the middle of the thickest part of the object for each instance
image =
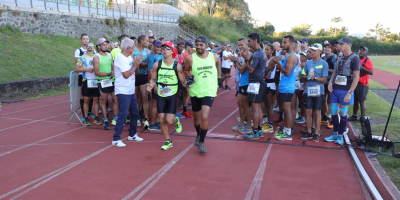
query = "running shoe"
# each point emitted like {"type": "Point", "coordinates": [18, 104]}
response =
{"type": "Point", "coordinates": [330, 126]}
{"type": "Point", "coordinates": [109, 109]}
{"type": "Point", "coordinates": [178, 115]}
{"type": "Point", "coordinates": [153, 127]}
{"type": "Point", "coordinates": [281, 123]}
{"type": "Point", "coordinates": [267, 129]}
{"type": "Point", "coordinates": [227, 88]}
{"type": "Point", "coordinates": [118, 143]}
{"type": "Point", "coordinates": [83, 119]}
{"type": "Point", "coordinates": [138, 123]}
{"type": "Point", "coordinates": [135, 137]}
{"type": "Point", "coordinates": [325, 123]}
{"type": "Point", "coordinates": [202, 148]}
{"type": "Point", "coordinates": [91, 116]}
{"type": "Point", "coordinates": [97, 121]}
{"type": "Point", "coordinates": [352, 118]}
{"type": "Point", "coordinates": [178, 125]}
{"type": "Point", "coordinates": [265, 120]}
{"type": "Point", "coordinates": [307, 136]}
{"type": "Point", "coordinates": [276, 109]}
{"type": "Point", "coordinates": [87, 122]}
{"type": "Point", "coordinates": [279, 134]}
{"type": "Point", "coordinates": [106, 126]}
{"type": "Point", "coordinates": [114, 121]}
{"type": "Point", "coordinates": [300, 120]}
{"type": "Point", "coordinates": [128, 120]}
{"type": "Point", "coordinates": [284, 137]}
{"type": "Point", "coordinates": [100, 111]}
{"type": "Point", "coordinates": [237, 127]}
{"type": "Point", "coordinates": [167, 145]}
{"type": "Point", "coordinates": [145, 124]}
{"type": "Point", "coordinates": [303, 124]}
{"type": "Point", "coordinates": [339, 140]}
{"type": "Point", "coordinates": [230, 77]}
{"type": "Point", "coordinates": [246, 130]}
{"type": "Point", "coordinates": [180, 106]}
{"type": "Point", "coordinates": [316, 136]}
{"type": "Point", "coordinates": [221, 87]}
{"type": "Point", "coordinates": [157, 124]}
{"type": "Point", "coordinates": [237, 94]}
{"type": "Point", "coordinates": [187, 114]}
{"type": "Point", "coordinates": [260, 134]}
{"type": "Point", "coordinates": [251, 136]}
{"type": "Point", "coordinates": [332, 138]}
{"type": "Point", "coordinates": [196, 141]}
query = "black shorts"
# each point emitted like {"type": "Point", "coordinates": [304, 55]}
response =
{"type": "Point", "coordinates": [276, 78]}
{"type": "Point", "coordinates": [107, 90]}
{"type": "Point", "coordinates": [167, 104]}
{"type": "Point", "coordinates": [243, 90]}
{"type": "Point", "coordinates": [89, 92]}
{"type": "Point", "coordinates": [326, 88]}
{"type": "Point", "coordinates": [80, 80]}
{"type": "Point", "coordinates": [285, 97]}
{"type": "Point", "coordinates": [180, 86]}
{"type": "Point", "coordinates": [258, 98]}
{"type": "Point", "coordinates": [314, 103]}
{"type": "Point", "coordinates": [226, 70]}
{"type": "Point", "coordinates": [154, 94]}
{"type": "Point", "coordinates": [141, 79]}
{"type": "Point", "coordinates": [198, 102]}
{"type": "Point", "coordinates": [269, 90]}
{"type": "Point", "coordinates": [361, 92]}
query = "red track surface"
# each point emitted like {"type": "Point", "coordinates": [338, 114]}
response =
{"type": "Point", "coordinates": [49, 159]}
{"type": "Point", "coordinates": [387, 79]}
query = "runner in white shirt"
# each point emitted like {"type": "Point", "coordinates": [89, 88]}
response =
{"type": "Point", "coordinates": [226, 66]}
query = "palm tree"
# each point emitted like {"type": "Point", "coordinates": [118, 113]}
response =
{"type": "Point", "coordinates": [378, 29]}
{"type": "Point", "coordinates": [336, 20]}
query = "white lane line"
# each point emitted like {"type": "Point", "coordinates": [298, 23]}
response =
{"type": "Point", "coordinates": [33, 122]}
{"type": "Point", "coordinates": [34, 143]}
{"type": "Point", "coordinates": [223, 120]}
{"type": "Point", "coordinates": [36, 120]}
{"type": "Point", "coordinates": [34, 108]}
{"type": "Point", "coordinates": [256, 184]}
{"type": "Point", "coordinates": [226, 91]}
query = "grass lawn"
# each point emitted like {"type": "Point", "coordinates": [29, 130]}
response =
{"type": "Point", "coordinates": [379, 60]}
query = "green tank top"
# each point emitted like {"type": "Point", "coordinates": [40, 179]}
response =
{"type": "Point", "coordinates": [105, 65]}
{"type": "Point", "coordinates": [167, 79]}
{"type": "Point", "coordinates": [206, 74]}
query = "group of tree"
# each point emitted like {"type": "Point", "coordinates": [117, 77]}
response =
{"type": "Point", "coordinates": [380, 33]}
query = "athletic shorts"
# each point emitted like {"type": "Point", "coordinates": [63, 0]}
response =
{"type": "Point", "coordinates": [243, 90]}
{"type": "Point", "coordinates": [80, 80]}
{"type": "Point", "coordinates": [258, 98]}
{"type": "Point", "coordinates": [198, 102]}
{"type": "Point", "coordinates": [154, 95]}
{"type": "Point", "coordinates": [180, 86]}
{"type": "Point", "coordinates": [285, 97]}
{"type": "Point", "coordinates": [276, 78]}
{"type": "Point", "coordinates": [361, 92]}
{"type": "Point", "coordinates": [314, 103]}
{"type": "Point", "coordinates": [167, 104]}
{"type": "Point", "coordinates": [326, 88]}
{"type": "Point", "coordinates": [226, 70]}
{"type": "Point", "coordinates": [141, 79]}
{"type": "Point", "coordinates": [89, 92]}
{"type": "Point", "coordinates": [300, 93]}
{"type": "Point", "coordinates": [337, 96]}
{"type": "Point", "coordinates": [107, 90]}
{"type": "Point", "coordinates": [269, 90]}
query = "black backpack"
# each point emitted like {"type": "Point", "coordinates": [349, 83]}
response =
{"type": "Point", "coordinates": [175, 68]}
{"type": "Point", "coordinates": [363, 65]}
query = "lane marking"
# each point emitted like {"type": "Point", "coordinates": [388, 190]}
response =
{"type": "Point", "coordinates": [32, 122]}
{"type": "Point", "coordinates": [223, 120]}
{"type": "Point", "coordinates": [258, 178]}
{"type": "Point", "coordinates": [36, 120]}
{"type": "Point", "coordinates": [34, 108]}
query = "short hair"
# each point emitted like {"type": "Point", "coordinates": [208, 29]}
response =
{"type": "Point", "coordinates": [127, 43]}
{"type": "Point", "coordinates": [120, 38]}
{"type": "Point", "coordinates": [261, 46]}
{"type": "Point", "coordinates": [140, 38]}
{"type": "Point", "coordinates": [291, 38]}
{"type": "Point", "coordinates": [161, 38]}
{"type": "Point", "coordinates": [255, 36]}
{"type": "Point", "coordinates": [265, 42]}
{"type": "Point", "coordinates": [132, 38]}
{"type": "Point", "coordinates": [242, 39]}
{"type": "Point", "coordinates": [84, 35]}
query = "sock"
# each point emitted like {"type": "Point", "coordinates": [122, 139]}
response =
{"type": "Point", "coordinates": [335, 122]}
{"type": "Point", "coordinates": [288, 131]}
{"type": "Point", "coordinates": [203, 133]}
{"type": "Point", "coordinates": [197, 127]}
{"type": "Point", "coordinates": [342, 125]}
{"type": "Point", "coordinates": [169, 140]}
{"type": "Point", "coordinates": [255, 130]}
{"type": "Point", "coordinates": [264, 116]}
{"type": "Point", "coordinates": [90, 105]}
{"type": "Point", "coordinates": [105, 119]}
{"type": "Point", "coordinates": [81, 102]}
{"type": "Point", "coordinates": [184, 108]}
{"type": "Point", "coordinates": [259, 128]}
{"type": "Point", "coordinates": [280, 116]}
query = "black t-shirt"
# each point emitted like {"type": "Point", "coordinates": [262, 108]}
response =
{"type": "Point", "coordinates": [354, 66]}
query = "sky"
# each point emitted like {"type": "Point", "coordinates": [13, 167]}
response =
{"type": "Point", "coordinates": [359, 16]}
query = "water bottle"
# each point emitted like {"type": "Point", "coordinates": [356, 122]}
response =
{"type": "Point", "coordinates": [309, 73]}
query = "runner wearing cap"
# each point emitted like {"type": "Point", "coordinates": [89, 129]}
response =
{"type": "Point", "coordinates": [226, 66]}
{"type": "Point", "coordinates": [326, 104]}
{"type": "Point", "coordinates": [165, 80]}
{"type": "Point", "coordinates": [361, 92]}
{"type": "Point", "coordinates": [316, 73]}
{"type": "Point", "coordinates": [89, 83]}
{"type": "Point", "coordinates": [117, 50]}
{"type": "Point", "coordinates": [211, 46]}
{"type": "Point", "coordinates": [104, 71]}
{"type": "Point", "coordinates": [342, 85]}
{"type": "Point", "coordinates": [203, 68]}
{"type": "Point", "coordinates": [304, 45]}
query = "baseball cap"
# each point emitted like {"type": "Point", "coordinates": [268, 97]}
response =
{"type": "Point", "coordinates": [158, 43]}
{"type": "Point", "coordinates": [210, 42]}
{"type": "Point", "coordinates": [303, 53]}
{"type": "Point", "coordinates": [304, 40]}
{"type": "Point", "coordinates": [170, 44]}
{"type": "Point", "coordinates": [345, 40]}
{"type": "Point", "coordinates": [181, 43]}
{"type": "Point", "coordinates": [325, 43]}
{"type": "Point", "coordinates": [201, 39]}
{"type": "Point", "coordinates": [208, 49]}
{"type": "Point", "coordinates": [333, 42]}
{"type": "Point", "coordinates": [228, 45]}
{"type": "Point", "coordinates": [189, 43]}
{"type": "Point", "coordinates": [101, 41]}
{"type": "Point", "coordinates": [219, 48]}
{"type": "Point", "coordinates": [316, 46]}
{"type": "Point", "coordinates": [364, 47]}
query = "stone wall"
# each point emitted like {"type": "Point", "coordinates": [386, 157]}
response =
{"type": "Point", "coordinates": [73, 24]}
{"type": "Point", "coordinates": [31, 86]}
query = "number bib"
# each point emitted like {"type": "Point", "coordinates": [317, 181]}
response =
{"type": "Point", "coordinates": [341, 80]}
{"type": "Point", "coordinates": [253, 88]}
{"type": "Point", "coordinates": [165, 91]}
{"type": "Point", "coordinates": [297, 85]}
{"type": "Point", "coordinates": [106, 83]}
{"type": "Point", "coordinates": [313, 91]}
{"type": "Point", "coordinates": [91, 83]}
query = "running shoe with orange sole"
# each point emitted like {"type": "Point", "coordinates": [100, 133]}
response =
{"type": "Point", "coordinates": [325, 123]}
{"type": "Point", "coordinates": [330, 126]}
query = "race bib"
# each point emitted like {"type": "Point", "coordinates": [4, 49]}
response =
{"type": "Point", "coordinates": [297, 85]}
{"type": "Point", "coordinates": [341, 80]}
{"type": "Point", "coordinates": [253, 88]}
{"type": "Point", "coordinates": [106, 83]}
{"type": "Point", "coordinates": [313, 91]}
{"type": "Point", "coordinates": [91, 83]}
{"type": "Point", "coordinates": [165, 91]}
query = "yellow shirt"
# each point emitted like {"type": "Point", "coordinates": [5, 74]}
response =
{"type": "Point", "coordinates": [115, 52]}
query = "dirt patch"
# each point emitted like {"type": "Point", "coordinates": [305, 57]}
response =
{"type": "Point", "coordinates": [388, 96]}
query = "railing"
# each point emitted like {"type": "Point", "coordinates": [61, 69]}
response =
{"type": "Point", "coordinates": [99, 7]}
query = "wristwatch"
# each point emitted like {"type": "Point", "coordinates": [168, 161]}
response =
{"type": "Point", "coordinates": [351, 92]}
{"type": "Point", "coordinates": [108, 74]}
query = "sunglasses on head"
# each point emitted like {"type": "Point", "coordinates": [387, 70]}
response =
{"type": "Point", "coordinates": [90, 45]}
{"type": "Point", "coordinates": [166, 48]}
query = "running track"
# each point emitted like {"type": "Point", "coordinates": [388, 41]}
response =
{"type": "Point", "coordinates": [387, 79]}
{"type": "Point", "coordinates": [44, 158]}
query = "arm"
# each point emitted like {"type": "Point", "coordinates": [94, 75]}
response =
{"type": "Point", "coordinates": [153, 78]}
{"type": "Point", "coordinates": [269, 67]}
{"type": "Point", "coordinates": [290, 63]}
{"type": "Point", "coordinates": [369, 69]}
{"type": "Point", "coordinates": [217, 65]}
{"type": "Point", "coordinates": [181, 76]}
{"type": "Point", "coordinates": [135, 66]}
{"type": "Point", "coordinates": [112, 67]}
{"type": "Point", "coordinates": [96, 63]}
{"type": "Point", "coordinates": [188, 66]}
{"type": "Point", "coordinates": [242, 68]}
{"type": "Point", "coordinates": [78, 68]}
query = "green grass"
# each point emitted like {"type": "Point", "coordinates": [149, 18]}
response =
{"type": "Point", "coordinates": [375, 85]}
{"type": "Point", "coordinates": [379, 60]}
{"type": "Point", "coordinates": [41, 94]}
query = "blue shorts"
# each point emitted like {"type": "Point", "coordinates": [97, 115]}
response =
{"type": "Point", "coordinates": [337, 96]}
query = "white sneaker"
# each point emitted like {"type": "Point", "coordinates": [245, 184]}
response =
{"type": "Point", "coordinates": [265, 120]}
{"type": "Point", "coordinates": [136, 138]}
{"type": "Point", "coordinates": [100, 111]}
{"type": "Point", "coordinates": [118, 143]}
{"type": "Point", "coordinates": [276, 109]}
{"type": "Point", "coordinates": [109, 109]}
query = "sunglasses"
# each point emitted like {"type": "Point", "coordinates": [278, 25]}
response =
{"type": "Point", "coordinates": [90, 45]}
{"type": "Point", "coordinates": [166, 48]}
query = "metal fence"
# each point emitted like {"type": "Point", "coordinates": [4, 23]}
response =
{"type": "Point", "coordinates": [99, 7]}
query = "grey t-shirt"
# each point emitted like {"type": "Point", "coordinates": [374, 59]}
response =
{"type": "Point", "coordinates": [321, 68]}
{"type": "Point", "coordinates": [259, 62]}
{"type": "Point", "coordinates": [354, 66]}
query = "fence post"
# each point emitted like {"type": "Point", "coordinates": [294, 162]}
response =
{"type": "Point", "coordinates": [57, 6]}
{"type": "Point", "coordinates": [97, 5]}
{"type": "Point", "coordinates": [89, 5]}
{"type": "Point", "coordinates": [113, 8]}
{"type": "Point", "coordinates": [31, 4]}
{"type": "Point", "coordinates": [153, 15]}
{"type": "Point", "coordinates": [16, 3]}
{"type": "Point", "coordinates": [69, 9]}
{"type": "Point", "coordinates": [148, 15]}
{"type": "Point", "coordinates": [126, 12]}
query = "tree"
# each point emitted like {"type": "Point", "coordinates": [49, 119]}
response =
{"type": "Point", "coordinates": [378, 29]}
{"type": "Point", "coordinates": [394, 37]}
{"type": "Point", "coordinates": [266, 29]}
{"type": "Point", "coordinates": [302, 30]}
{"type": "Point", "coordinates": [343, 31]}
{"type": "Point", "coordinates": [321, 32]}
{"type": "Point", "coordinates": [336, 20]}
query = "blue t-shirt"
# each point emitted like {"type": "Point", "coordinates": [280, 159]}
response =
{"type": "Point", "coordinates": [258, 61]}
{"type": "Point", "coordinates": [244, 78]}
{"type": "Point", "coordinates": [331, 60]}
{"type": "Point", "coordinates": [288, 83]}
{"type": "Point", "coordinates": [212, 50]}
{"type": "Point", "coordinates": [153, 58]}
{"type": "Point", "coordinates": [136, 53]}
{"type": "Point", "coordinates": [320, 70]}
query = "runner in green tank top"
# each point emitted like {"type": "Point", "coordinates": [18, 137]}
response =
{"type": "Point", "coordinates": [165, 80]}
{"type": "Point", "coordinates": [104, 71]}
{"type": "Point", "coordinates": [203, 68]}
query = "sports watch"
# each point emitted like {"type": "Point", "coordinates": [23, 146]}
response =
{"type": "Point", "coordinates": [351, 92]}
